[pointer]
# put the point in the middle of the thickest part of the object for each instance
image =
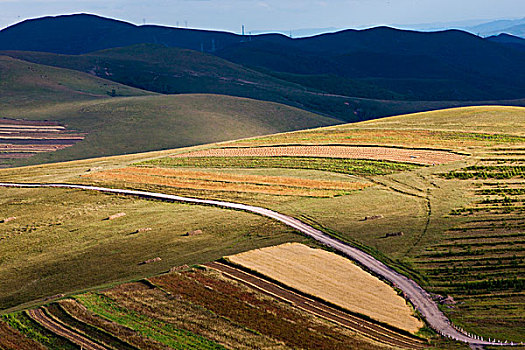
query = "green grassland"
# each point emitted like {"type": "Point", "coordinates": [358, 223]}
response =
{"type": "Point", "coordinates": [67, 245]}
{"type": "Point", "coordinates": [429, 207]}
{"type": "Point", "coordinates": [25, 85]}
{"type": "Point", "coordinates": [138, 124]}
{"type": "Point", "coordinates": [168, 70]}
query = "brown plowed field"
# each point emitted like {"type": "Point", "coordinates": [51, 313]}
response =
{"type": "Point", "coordinates": [416, 156]}
{"type": "Point", "coordinates": [181, 178]}
{"type": "Point", "coordinates": [365, 327]}
{"type": "Point", "coordinates": [39, 316]}
{"type": "Point", "coordinates": [11, 339]}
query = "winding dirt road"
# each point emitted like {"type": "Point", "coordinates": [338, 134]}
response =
{"type": "Point", "coordinates": [412, 291]}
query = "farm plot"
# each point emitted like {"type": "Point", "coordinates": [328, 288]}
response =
{"type": "Point", "coordinates": [480, 262]}
{"type": "Point", "coordinates": [216, 181]}
{"type": "Point", "coordinates": [10, 338]}
{"type": "Point", "coordinates": [194, 308]}
{"type": "Point", "coordinates": [349, 134]}
{"type": "Point", "coordinates": [23, 139]}
{"type": "Point", "coordinates": [415, 156]}
{"type": "Point", "coordinates": [332, 278]}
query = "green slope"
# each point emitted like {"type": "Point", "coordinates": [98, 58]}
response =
{"type": "Point", "coordinates": [172, 70]}
{"type": "Point", "coordinates": [138, 124]}
{"type": "Point", "coordinates": [24, 84]}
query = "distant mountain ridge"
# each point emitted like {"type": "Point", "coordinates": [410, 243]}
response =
{"type": "Point", "coordinates": [377, 63]}
{"type": "Point", "coordinates": [514, 27]}
{"type": "Point", "coordinates": [509, 40]}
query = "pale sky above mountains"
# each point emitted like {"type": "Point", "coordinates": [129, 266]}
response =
{"type": "Point", "coordinates": [264, 15]}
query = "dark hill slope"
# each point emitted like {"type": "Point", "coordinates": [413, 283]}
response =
{"type": "Point", "coordinates": [508, 40]}
{"type": "Point", "coordinates": [449, 65]}
{"type": "Point", "coordinates": [172, 70]}
{"type": "Point", "coordinates": [413, 63]}
{"type": "Point", "coordinates": [26, 85]}
{"type": "Point", "coordinates": [82, 33]}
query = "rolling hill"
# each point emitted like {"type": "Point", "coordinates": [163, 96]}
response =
{"type": "Point", "coordinates": [172, 70]}
{"type": "Point", "coordinates": [448, 65]}
{"type": "Point", "coordinates": [137, 124]}
{"type": "Point", "coordinates": [509, 40]}
{"type": "Point", "coordinates": [455, 227]}
{"type": "Point", "coordinates": [28, 85]}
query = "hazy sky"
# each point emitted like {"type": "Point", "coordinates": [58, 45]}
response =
{"type": "Point", "coordinates": [268, 14]}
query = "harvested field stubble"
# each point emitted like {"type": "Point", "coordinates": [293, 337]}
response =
{"type": "Point", "coordinates": [24, 138]}
{"type": "Point", "coordinates": [228, 182]}
{"type": "Point", "coordinates": [346, 285]}
{"type": "Point", "coordinates": [416, 156]}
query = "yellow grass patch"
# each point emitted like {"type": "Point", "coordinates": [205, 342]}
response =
{"type": "Point", "coordinates": [332, 278]}
{"type": "Point", "coordinates": [201, 180]}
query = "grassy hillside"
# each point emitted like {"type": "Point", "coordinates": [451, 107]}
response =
{"type": "Point", "coordinates": [24, 84]}
{"type": "Point", "coordinates": [172, 70]}
{"type": "Point", "coordinates": [456, 227]}
{"type": "Point", "coordinates": [137, 124]}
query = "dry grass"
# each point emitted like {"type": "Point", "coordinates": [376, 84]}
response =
{"type": "Point", "coordinates": [332, 278]}
{"type": "Point", "coordinates": [417, 156]}
{"type": "Point", "coordinates": [200, 180]}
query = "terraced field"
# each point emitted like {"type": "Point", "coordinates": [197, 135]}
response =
{"type": "Point", "coordinates": [481, 262]}
{"type": "Point", "coordinates": [331, 278]}
{"type": "Point", "coordinates": [196, 308]}
{"type": "Point", "coordinates": [454, 227]}
{"type": "Point", "coordinates": [24, 138]}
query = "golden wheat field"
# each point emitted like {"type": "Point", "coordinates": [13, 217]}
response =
{"type": "Point", "coordinates": [332, 278]}
{"type": "Point", "coordinates": [416, 156]}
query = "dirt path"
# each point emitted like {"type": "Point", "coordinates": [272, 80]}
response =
{"type": "Point", "coordinates": [420, 298]}
{"type": "Point", "coordinates": [39, 316]}
{"type": "Point", "coordinates": [362, 326]}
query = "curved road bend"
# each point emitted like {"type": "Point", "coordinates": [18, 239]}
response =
{"type": "Point", "coordinates": [413, 292]}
